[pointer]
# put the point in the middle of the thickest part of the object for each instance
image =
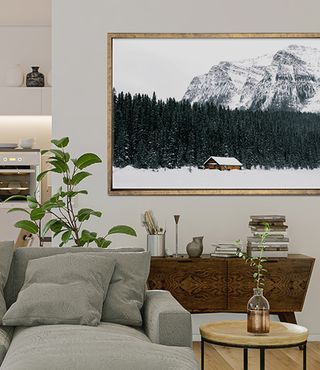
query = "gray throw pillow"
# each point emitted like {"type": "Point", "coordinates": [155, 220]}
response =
{"type": "Point", "coordinates": [126, 291]}
{"type": "Point", "coordinates": [6, 254]}
{"type": "Point", "coordinates": [62, 289]}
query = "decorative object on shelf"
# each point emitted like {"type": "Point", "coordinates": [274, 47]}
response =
{"type": "Point", "coordinates": [14, 76]}
{"type": "Point", "coordinates": [195, 247]}
{"type": "Point", "coordinates": [258, 308]}
{"type": "Point", "coordinates": [35, 78]}
{"type": "Point", "coordinates": [27, 143]}
{"type": "Point", "coordinates": [225, 250]}
{"type": "Point", "coordinates": [276, 243]}
{"type": "Point", "coordinates": [176, 220]}
{"type": "Point", "coordinates": [49, 78]}
{"type": "Point", "coordinates": [66, 221]}
{"type": "Point", "coordinates": [155, 237]}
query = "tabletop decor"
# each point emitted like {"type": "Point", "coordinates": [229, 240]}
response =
{"type": "Point", "coordinates": [190, 113]}
{"type": "Point", "coordinates": [66, 221]}
{"type": "Point", "coordinates": [35, 78]}
{"type": "Point", "coordinates": [258, 308]}
{"type": "Point", "coordinates": [155, 235]}
{"type": "Point", "coordinates": [195, 247]}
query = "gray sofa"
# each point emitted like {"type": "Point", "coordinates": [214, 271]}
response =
{"type": "Point", "coordinates": [163, 343]}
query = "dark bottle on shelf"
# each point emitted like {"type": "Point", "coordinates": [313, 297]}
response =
{"type": "Point", "coordinates": [35, 78]}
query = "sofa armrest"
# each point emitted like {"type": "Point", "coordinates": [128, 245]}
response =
{"type": "Point", "coordinates": [165, 320]}
{"type": "Point", "coordinates": [6, 334]}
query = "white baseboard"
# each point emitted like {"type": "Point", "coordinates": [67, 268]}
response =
{"type": "Point", "coordinates": [312, 338]}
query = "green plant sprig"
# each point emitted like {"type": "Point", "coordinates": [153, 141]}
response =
{"type": "Point", "coordinates": [66, 221]}
{"type": "Point", "coordinates": [258, 262]}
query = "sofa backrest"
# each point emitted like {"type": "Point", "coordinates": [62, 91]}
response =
{"type": "Point", "coordinates": [23, 255]}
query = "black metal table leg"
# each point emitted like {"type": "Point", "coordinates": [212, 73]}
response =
{"type": "Point", "coordinates": [262, 358]}
{"type": "Point", "coordinates": [305, 356]}
{"type": "Point", "coordinates": [202, 354]}
{"type": "Point", "coordinates": [245, 359]}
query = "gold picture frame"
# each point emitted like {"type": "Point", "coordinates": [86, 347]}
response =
{"type": "Point", "coordinates": [112, 190]}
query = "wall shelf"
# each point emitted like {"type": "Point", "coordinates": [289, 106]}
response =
{"type": "Point", "coordinates": [25, 100]}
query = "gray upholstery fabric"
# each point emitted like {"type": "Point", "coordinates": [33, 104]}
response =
{"type": "Point", "coordinates": [62, 289]}
{"type": "Point", "coordinates": [165, 320]}
{"type": "Point", "coordinates": [126, 291]}
{"type": "Point", "coordinates": [6, 254]}
{"type": "Point", "coordinates": [6, 334]}
{"type": "Point", "coordinates": [127, 288]}
{"type": "Point", "coordinates": [107, 346]}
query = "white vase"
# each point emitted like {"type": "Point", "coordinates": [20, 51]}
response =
{"type": "Point", "coordinates": [49, 78]}
{"type": "Point", "coordinates": [15, 76]}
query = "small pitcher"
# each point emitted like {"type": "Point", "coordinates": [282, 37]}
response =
{"type": "Point", "coordinates": [195, 248]}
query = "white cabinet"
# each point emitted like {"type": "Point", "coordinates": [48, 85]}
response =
{"type": "Point", "coordinates": [25, 101]}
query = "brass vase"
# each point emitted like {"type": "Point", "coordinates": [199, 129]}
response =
{"type": "Point", "coordinates": [258, 309]}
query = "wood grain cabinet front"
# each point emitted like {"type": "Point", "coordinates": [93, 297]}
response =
{"type": "Point", "coordinates": [206, 285]}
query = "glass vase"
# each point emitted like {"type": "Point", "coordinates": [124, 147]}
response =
{"type": "Point", "coordinates": [258, 309]}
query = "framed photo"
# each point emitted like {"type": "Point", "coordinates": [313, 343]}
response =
{"type": "Point", "coordinates": [222, 114]}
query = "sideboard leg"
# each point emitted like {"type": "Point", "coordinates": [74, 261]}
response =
{"type": "Point", "coordinates": [262, 359]}
{"type": "Point", "coordinates": [245, 359]}
{"type": "Point", "coordinates": [287, 317]}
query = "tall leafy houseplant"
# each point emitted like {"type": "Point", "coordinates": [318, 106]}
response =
{"type": "Point", "coordinates": [66, 221]}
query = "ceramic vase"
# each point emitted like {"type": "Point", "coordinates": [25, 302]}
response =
{"type": "Point", "coordinates": [195, 248]}
{"type": "Point", "coordinates": [14, 76]}
{"type": "Point", "coordinates": [258, 309]}
{"type": "Point", "coordinates": [35, 78]}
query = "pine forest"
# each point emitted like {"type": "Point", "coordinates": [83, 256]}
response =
{"type": "Point", "coordinates": [150, 133]}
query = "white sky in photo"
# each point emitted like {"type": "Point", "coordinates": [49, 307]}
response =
{"type": "Point", "coordinates": [167, 66]}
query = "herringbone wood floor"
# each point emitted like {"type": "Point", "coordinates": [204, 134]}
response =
{"type": "Point", "coordinates": [223, 358]}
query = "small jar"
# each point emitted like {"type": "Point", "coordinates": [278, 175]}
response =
{"type": "Point", "coordinates": [35, 78]}
{"type": "Point", "coordinates": [258, 309]}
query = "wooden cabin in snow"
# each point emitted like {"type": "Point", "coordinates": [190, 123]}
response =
{"type": "Point", "coordinates": [222, 164]}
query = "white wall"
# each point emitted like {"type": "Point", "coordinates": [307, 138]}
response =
{"type": "Point", "coordinates": [79, 111]}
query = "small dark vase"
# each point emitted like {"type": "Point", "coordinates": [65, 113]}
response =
{"type": "Point", "coordinates": [35, 78]}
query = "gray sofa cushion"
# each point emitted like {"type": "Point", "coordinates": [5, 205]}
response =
{"type": "Point", "coordinates": [6, 254]}
{"type": "Point", "coordinates": [62, 289]}
{"type": "Point", "coordinates": [6, 333]}
{"type": "Point", "coordinates": [105, 347]}
{"type": "Point", "coordinates": [126, 291]}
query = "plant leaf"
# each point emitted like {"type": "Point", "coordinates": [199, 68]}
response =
{"type": "Point", "coordinates": [27, 225]}
{"type": "Point", "coordinates": [32, 202]}
{"type": "Point", "coordinates": [37, 214]}
{"type": "Point", "coordinates": [79, 177]}
{"type": "Point", "coordinates": [102, 243]}
{"type": "Point", "coordinates": [86, 160]}
{"type": "Point", "coordinates": [87, 236]}
{"type": "Point", "coordinates": [85, 213]}
{"type": "Point", "coordinates": [42, 175]}
{"type": "Point", "coordinates": [59, 166]}
{"type": "Point", "coordinates": [18, 210]}
{"type": "Point", "coordinates": [62, 143]}
{"type": "Point", "coordinates": [65, 237]}
{"type": "Point", "coordinates": [122, 229]}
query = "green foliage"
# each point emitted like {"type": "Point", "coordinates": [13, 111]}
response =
{"type": "Point", "coordinates": [65, 221]}
{"type": "Point", "coordinates": [257, 262]}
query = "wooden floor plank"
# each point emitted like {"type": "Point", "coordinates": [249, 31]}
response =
{"type": "Point", "coordinates": [225, 358]}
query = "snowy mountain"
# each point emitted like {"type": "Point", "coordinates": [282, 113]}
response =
{"type": "Point", "coordinates": [287, 80]}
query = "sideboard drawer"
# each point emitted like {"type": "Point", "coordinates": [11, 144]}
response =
{"type": "Point", "coordinates": [200, 285]}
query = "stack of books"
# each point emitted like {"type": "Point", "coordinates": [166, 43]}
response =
{"type": "Point", "coordinates": [225, 250]}
{"type": "Point", "coordinates": [276, 244]}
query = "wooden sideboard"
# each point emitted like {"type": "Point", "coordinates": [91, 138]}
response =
{"type": "Point", "coordinates": [207, 284]}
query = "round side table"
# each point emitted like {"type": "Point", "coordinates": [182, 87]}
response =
{"type": "Point", "coordinates": [234, 334]}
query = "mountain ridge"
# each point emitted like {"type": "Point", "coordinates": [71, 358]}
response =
{"type": "Point", "coordinates": [287, 80]}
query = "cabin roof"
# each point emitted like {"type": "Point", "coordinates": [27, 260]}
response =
{"type": "Point", "coordinates": [225, 161]}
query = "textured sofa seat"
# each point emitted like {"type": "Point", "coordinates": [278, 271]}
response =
{"type": "Point", "coordinates": [107, 346]}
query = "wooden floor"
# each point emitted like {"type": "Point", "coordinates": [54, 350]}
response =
{"type": "Point", "coordinates": [223, 358]}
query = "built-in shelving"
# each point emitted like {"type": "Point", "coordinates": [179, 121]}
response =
{"type": "Point", "coordinates": [25, 100]}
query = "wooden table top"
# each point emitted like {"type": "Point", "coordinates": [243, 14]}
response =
{"type": "Point", "coordinates": [235, 333]}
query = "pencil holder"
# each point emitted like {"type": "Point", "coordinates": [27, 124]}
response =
{"type": "Point", "coordinates": [156, 245]}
